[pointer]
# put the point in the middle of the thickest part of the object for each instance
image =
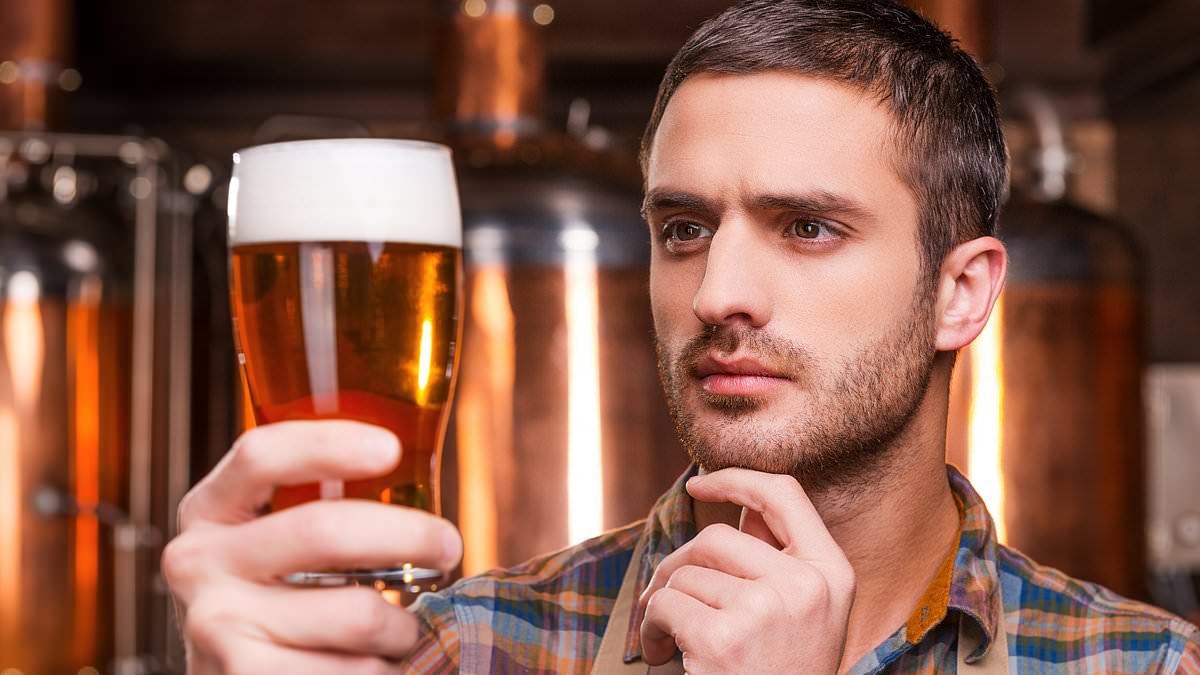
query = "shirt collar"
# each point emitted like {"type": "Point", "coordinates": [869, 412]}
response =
{"type": "Point", "coordinates": [671, 525]}
{"type": "Point", "coordinates": [973, 581]}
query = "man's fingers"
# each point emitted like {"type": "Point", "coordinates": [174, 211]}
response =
{"type": "Point", "coordinates": [287, 453]}
{"type": "Point", "coordinates": [784, 506]}
{"type": "Point", "coordinates": [712, 587]}
{"type": "Point", "coordinates": [340, 534]}
{"type": "Point", "coordinates": [237, 653]}
{"type": "Point", "coordinates": [752, 523]}
{"type": "Point", "coordinates": [349, 620]}
{"type": "Point", "coordinates": [717, 547]}
{"type": "Point", "coordinates": [673, 618]}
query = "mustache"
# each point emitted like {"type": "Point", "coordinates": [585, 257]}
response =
{"type": "Point", "coordinates": [782, 356]}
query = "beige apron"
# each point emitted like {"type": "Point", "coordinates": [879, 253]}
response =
{"type": "Point", "coordinates": [611, 658]}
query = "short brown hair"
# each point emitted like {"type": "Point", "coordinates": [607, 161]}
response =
{"type": "Point", "coordinates": [947, 130]}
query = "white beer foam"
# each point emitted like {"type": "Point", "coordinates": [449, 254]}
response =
{"type": "Point", "coordinates": [356, 189]}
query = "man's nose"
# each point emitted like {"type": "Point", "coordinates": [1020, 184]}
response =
{"type": "Point", "coordinates": [733, 289]}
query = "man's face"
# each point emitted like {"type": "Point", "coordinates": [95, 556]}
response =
{"type": "Point", "coordinates": [793, 333]}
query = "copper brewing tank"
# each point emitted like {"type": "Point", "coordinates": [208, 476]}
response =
{"type": "Point", "coordinates": [64, 417]}
{"type": "Point", "coordinates": [34, 41]}
{"type": "Point", "coordinates": [1046, 406]}
{"type": "Point", "coordinates": [558, 408]}
{"type": "Point", "coordinates": [64, 372]}
{"type": "Point", "coordinates": [94, 347]}
{"type": "Point", "coordinates": [94, 335]}
{"type": "Point", "coordinates": [1064, 354]}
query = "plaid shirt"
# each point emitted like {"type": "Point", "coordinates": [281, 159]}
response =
{"type": "Point", "coordinates": [548, 615]}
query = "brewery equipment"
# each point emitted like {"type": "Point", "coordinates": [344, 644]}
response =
{"type": "Point", "coordinates": [93, 393]}
{"type": "Point", "coordinates": [560, 429]}
{"type": "Point", "coordinates": [1046, 405]}
{"type": "Point", "coordinates": [94, 259]}
{"type": "Point", "coordinates": [63, 444]}
{"type": "Point", "coordinates": [1046, 410]}
{"type": "Point", "coordinates": [1173, 425]}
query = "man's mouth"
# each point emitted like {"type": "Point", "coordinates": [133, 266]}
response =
{"type": "Point", "coordinates": [741, 376]}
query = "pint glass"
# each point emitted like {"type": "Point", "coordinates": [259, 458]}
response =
{"type": "Point", "coordinates": [346, 260]}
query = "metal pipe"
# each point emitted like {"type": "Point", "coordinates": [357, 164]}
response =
{"type": "Point", "coordinates": [179, 391]}
{"type": "Point", "coordinates": [490, 70]}
{"type": "Point", "coordinates": [1050, 157]}
{"type": "Point", "coordinates": [34, 39]}
{"type": "Point", "coordinates": [145, 191]}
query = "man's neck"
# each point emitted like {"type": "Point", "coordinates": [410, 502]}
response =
{"type": "Point", "coordinates": [896, 527]}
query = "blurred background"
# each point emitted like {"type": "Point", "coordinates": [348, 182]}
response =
{"type": "Point", "coordinates": [1076, 414]}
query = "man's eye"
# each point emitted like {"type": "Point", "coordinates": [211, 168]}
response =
{"type": "Point", "coordinates": [685, 231]}
{"type": "Point", "coordinates": [807, 228]}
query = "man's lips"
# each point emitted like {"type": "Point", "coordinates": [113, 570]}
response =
{"type": "Point", "coordinates": [738, 377]}
{"type": "Point", "coordinates": [745, 366]}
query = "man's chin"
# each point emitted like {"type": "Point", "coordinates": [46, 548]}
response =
{"type": "Point", "coordinates": [721, 431]}
{"type": "Point", "coordinates": [721, 453]}
{"type": "Point", "coordinates": [720, 437]}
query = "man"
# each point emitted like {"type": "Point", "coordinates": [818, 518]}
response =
{"type": "Point", "coordinates": [822, 186]}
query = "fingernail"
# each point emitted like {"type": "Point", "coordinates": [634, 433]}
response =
{"type": "Point", "coordinates": [451, 546]}
{"type": "Point", "coordinates": [384, 446]}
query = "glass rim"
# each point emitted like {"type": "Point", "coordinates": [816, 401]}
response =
{"type": "Point", "coordinates": [283, 146]}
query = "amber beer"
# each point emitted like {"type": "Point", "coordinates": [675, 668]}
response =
{"type": "Point", "coordinates": [346, 263]}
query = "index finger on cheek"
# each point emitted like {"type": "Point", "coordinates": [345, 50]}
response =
{"type": "Point", "coordinates": [780, 499]}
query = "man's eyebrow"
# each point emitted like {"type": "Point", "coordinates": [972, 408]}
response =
{"type": "Point", "coordinates": [818, 202]}
{"type": "Point", "coordinates": [658, 200]}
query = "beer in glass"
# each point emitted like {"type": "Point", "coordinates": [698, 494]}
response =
{"type": "Point", "coordinates": [346, 260]}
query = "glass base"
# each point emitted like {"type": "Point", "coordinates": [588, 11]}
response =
{"type": "Point", "coordinates": [407, 579]}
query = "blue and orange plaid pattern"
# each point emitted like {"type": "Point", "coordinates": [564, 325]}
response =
{"type": "Point", "coordinates": [548, 615]}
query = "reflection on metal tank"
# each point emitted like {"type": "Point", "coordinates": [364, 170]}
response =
{"type": "Point", "coordinates": [560, 429]}
{"type": "Point", "coordinates": [94, 354]}
{"type": "Point", "coordinates": [64, 413]}
{"type": "Point", "coordinates": [1046, 406]}
{"type": "Point", "coordinates": [64, 369]}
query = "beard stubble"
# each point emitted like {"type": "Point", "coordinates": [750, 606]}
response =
{"type": "Point", "coordinates": [854, 414]}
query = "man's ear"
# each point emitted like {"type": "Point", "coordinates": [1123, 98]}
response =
{"type": "Point", "coordinates": [970, 280]}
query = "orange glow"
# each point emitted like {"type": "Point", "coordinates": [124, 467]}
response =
{"type": "Point", "coordinates": [426, 354]}
{"type": "Point", "coordinates": [24, 338]}
{"type": "Point", "coordinates": [246, 409]}
{"type": "Point", "coordinates": [509, 76]}
{"type": "Point", "coordinates": [24, 355]}
{"type": "Point", "coordinates": [426, 308]}
{"type": "Point", "coordinates": [10, 524]}
{"type": "Point", "coordinates": [485, 415]}
{"type": "Point", "coordinates": [585, 475]}
{"type": "Point", "coordinates": [985, 430]}
{"type": "Point", "coordinates": [83, 336]}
